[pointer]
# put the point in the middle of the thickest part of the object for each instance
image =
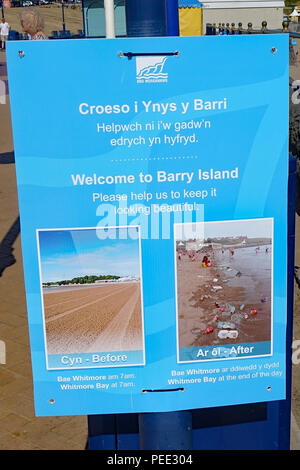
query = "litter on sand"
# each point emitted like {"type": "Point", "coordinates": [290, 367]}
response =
{"type": "Point", "coordinates": [209, 330]}
{"type": "Point", "coordinates": [226, 325]}
{"type": "Point", "coordinates": [223, 334]}
{"type": "Point", "coordinates": [217, 288]}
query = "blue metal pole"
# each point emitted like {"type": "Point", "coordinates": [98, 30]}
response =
{"type": "Point", "coordinates": [166, 431]}
{"type": "Point", "coordinates": [285, 405]}
{"type": "Point", "coordinates": [159, 430]}
{"type": "Point", "coordinates": [172, 17]}
{"type": "Point", "coordinates": [146, 18]}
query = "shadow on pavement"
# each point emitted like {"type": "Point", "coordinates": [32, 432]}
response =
{"type": "Point", "coordinates": [6, 246]}
{"type": "Point", "coordinates": [7, 157]}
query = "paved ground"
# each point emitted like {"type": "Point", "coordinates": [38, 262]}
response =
{"type": "Point", "coordinates": [19, 428]}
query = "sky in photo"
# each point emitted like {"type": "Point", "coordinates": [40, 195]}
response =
{"type": "Point", "coordinates": [253, 228]}
{"type": "Point", "coordinates": [65, 254]}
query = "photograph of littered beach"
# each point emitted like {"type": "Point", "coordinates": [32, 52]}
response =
{"type": "Point", "coordinates": [224, 282]}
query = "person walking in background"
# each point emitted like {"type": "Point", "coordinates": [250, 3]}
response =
{"type": "Point", "coordinates": [32, 23]}
{"type": "Point", "coordinates": [4, 31]}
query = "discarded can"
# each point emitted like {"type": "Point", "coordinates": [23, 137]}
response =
{"type": "Point", "coordinates": [222, 309]}
{"type": "Point", "coordinates": [253, 312]}
{"type": "Point", "coordinates": [217, 305]}
{"type": "Point", "coordinates": [209, 330]}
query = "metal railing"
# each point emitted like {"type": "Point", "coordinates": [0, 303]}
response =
{"type": "Point", "coordinates": [223, 29]}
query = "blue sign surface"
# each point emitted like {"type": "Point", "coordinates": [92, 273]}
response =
{"type": "Point", "coordinates": [152, 179]}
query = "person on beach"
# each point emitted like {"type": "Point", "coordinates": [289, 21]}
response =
{"type": "Point", "coordinates": [204, 261]}
{"type": "Point", "coordinates": [4, 31]}
{"type": "Point", "coordinates": [32, 23]}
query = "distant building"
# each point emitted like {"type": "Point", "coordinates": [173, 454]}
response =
{"type": "Point", "coordinates": [128, 279]}
{"type": "Point", "coordinates": [244, 11]}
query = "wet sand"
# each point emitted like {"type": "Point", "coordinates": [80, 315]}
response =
{"type": "Point", "coordinates": [94, 319]}
{"type": "Point", "coordinates": [245, 286]}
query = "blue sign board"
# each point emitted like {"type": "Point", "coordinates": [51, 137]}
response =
{"type": "Point", "coordinates": [152, 179]}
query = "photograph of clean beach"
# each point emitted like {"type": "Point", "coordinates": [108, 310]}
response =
{"type": "Point", "coordinates": [91, 289]}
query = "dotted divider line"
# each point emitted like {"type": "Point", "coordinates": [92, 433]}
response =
{"type": "Point", "coordinates": [153, 159]}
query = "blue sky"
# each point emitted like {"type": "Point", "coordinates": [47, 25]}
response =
{"type": "Point", "coordinates": [66, 254]}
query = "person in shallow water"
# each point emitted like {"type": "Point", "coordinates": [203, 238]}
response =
{"type": "Point", "coordinates": [204, 261]}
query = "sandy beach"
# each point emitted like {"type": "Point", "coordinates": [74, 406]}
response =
{"type": "Point", "coordinates": [228, 291]}
{"type": "Point", "coordinates": [92, 319]}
